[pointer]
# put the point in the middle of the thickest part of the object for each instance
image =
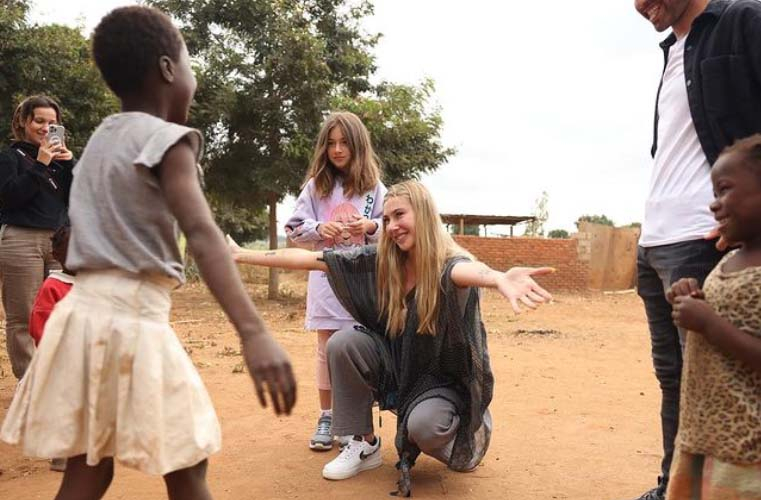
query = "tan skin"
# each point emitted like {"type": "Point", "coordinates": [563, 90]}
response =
{"type": "Point", "coordinates": [736, 207]}
{"type": "Point", "coordinates": [167, 94]}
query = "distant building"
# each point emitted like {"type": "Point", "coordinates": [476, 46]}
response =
{"type": "Point", "coordinates": [461, 221]}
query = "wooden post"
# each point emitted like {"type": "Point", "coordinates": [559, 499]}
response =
{"type": "Point", "coordinates": [462, 225]}
{"type": "Point", "coordinates": [273, 282]}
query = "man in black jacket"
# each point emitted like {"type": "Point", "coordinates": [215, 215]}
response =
{"type": "Point", "coordinates": [709, 96]}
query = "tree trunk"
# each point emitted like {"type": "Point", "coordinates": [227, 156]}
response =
{"type": "Point", "coordinates": [272, 292]}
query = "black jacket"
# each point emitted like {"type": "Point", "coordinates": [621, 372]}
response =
{"type": "Point", "coordinates": [722, 70]}
{"type": "Point", "coordinates": [31, 193]}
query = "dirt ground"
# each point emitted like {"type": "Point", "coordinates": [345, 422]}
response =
{"type": "Point", "coordinates": [575, 410]}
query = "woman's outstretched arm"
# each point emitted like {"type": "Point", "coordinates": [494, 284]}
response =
{"type": "Point", "coordinates": [285, 258]}
{"type": "Point", "coordinates": [516, 285]}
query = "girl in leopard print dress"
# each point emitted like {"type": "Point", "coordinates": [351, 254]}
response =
{"type": "Point", "coordinates": [718, 448]}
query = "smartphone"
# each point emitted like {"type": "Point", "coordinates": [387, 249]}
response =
{"type": "Point", "coordinates": [56, 134]}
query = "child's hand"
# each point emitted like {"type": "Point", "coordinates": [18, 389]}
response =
{"type": "Point", "coordinates": [685, 287]}
{"type": "Point", "coordinates": [517, 285]}
{"type": "Point", "coordinates": [692, 313]}
{"type": "Point", "coordinates": [361, 226]}
{"type": "Point", "coordinates": [330, 230]}
{"type": "Point", "coordinates": [269, 366]}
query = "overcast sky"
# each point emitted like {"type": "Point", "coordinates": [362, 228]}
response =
{"type": "Point", "coordinates": [552, 96]}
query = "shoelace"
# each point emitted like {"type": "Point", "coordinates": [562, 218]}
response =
{"type": "Point", "coordinates": [350, 450]}
{"type": "Point", "coordinates": [323, 425]}
{"type": "Point", "coordinates": [354, 448]}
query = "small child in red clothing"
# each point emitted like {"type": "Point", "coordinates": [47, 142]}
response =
{"type": "Point", "coordinates": [54, 288]}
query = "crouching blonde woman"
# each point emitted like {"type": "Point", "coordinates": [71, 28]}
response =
{"type": "Point", "coordinates": [421, 351]}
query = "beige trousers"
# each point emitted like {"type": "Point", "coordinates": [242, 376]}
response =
{"type": "Point", "coordinates": [26, 258]}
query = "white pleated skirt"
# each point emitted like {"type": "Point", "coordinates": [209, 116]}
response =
{"type": "Point", "coordinates": [111, 379]}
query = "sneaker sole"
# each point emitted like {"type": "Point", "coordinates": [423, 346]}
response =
{"type": "Point", "coordinates": [320, 446]}
{"type": "Point", "coordinates": [373, 462]}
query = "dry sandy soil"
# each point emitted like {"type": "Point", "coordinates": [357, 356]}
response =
{"type": "Point", "coordinates": [575, 410]}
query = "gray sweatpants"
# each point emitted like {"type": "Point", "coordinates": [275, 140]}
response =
{"type": "Point", "coordinates": [354, 369]}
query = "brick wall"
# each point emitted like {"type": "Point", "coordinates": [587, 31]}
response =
{"type": "Point", "coordinates": [562, 254]}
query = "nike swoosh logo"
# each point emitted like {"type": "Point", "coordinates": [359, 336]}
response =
{"type": "Point", "coordinates": [363, 456]}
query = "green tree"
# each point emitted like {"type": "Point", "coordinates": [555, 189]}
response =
{"type": "Point", "coordinates": [53, 60]}
{"type": "Point", "coordinates": [595, 219]}
{"type": "Point", "coordinates": [535, 227]}
{"type": "Point", "coordinates": [268, 71]}
{"type": "Point", "coordinates": [12, 24]}
{"type": "Point", "coordinates": [558, 233]}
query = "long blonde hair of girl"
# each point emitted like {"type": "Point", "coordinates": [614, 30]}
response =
{"type": "Point", "coordinates": [433, 247]}
{"type": "Point", "coordinates": [364, 171]}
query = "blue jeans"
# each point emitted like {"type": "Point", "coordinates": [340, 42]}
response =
{"type": "Point", "coordinates": [657, 269]}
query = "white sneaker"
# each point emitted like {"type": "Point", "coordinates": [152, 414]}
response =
{"type": "Point", "coordinates": [344, 440]}
{"type": "Point", "coordinates": [355, 457]}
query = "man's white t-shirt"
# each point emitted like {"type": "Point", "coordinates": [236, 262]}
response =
{"type": "Point", "coordinates": [680, 186]}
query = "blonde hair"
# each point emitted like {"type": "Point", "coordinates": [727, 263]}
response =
{"type": "Point", "coordinates": [433, 247]}
{"type": "Point", "coordinates": [364, 170]}
{"type": "Point", "coordinates": [25, 111]}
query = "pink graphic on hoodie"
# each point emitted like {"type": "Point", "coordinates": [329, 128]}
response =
{"type": "Point", "coordinates": [324, 312]}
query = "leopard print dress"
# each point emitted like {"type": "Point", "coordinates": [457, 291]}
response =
{"type": "Point", "coordinates": [720, 411]}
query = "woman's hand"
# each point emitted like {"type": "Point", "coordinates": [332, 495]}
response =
{"type": "Point", "coordinates": [49, 151]}
{"type": "Point", "coordinates": [692, 313]}
{"type": "Point", "coordinates": [517, 285]}
{"type": "Point", "coordinates": [235, 250]}
{"type": "Point", "coordinates": [64, 154]}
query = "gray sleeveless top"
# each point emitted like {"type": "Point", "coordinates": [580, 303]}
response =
{"type": "Point", "coordinates": [118, 213]}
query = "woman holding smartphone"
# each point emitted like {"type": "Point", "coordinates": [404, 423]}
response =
{"type": "Point", "coordinates": [35, 178]}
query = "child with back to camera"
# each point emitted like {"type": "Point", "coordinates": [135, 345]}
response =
{"type": "Point", "coordinates": [117, 383]}
{"type": "Point", "coordinates": [718, 446]}
{"type": "Point", "coordinates": [340, 206]}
